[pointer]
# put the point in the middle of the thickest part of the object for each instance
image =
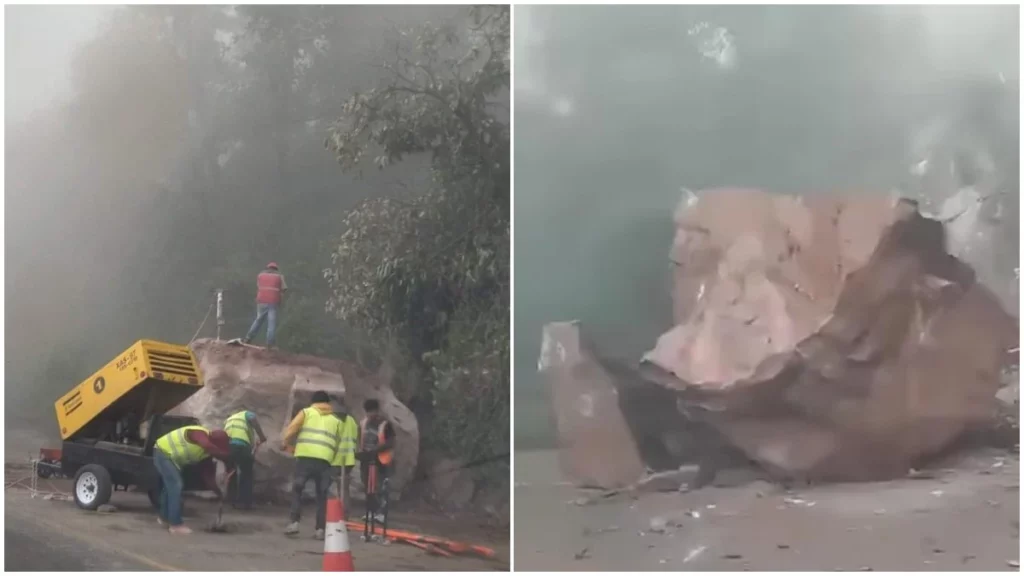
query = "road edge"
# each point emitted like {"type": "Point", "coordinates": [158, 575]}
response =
{"type": "Point", "coordinates": [94, 542]}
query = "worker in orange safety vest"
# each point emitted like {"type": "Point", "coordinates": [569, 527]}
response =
{"type": "Point", "coordinates": [270, 286]}
{"type": "Point", "coordinates": [377, 451]}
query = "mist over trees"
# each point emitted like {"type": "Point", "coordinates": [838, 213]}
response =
{"type": "Point", "coordinates": [202, 142]}
{"type": "Point", "coordinates": [620, 108]}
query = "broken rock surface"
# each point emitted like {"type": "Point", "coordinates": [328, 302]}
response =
{"type": "Point", "coordinates": [276, 385]}
{"type": "Point", "coordinates": [598, 449]}
{"type": "Point", "coordinates": [829, 338]}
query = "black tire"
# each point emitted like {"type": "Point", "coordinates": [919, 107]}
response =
{"type": "Point", "coordinates": [43, 470]}
{"type": "Point", "coordinates": [92, 487]}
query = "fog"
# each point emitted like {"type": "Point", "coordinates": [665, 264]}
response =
{"type": "Point", "coordinates": [50, 34]}
{"type": "Point", "coordinates": [619, 109]}
{"type": "Point", "coordinates": [155, 154]}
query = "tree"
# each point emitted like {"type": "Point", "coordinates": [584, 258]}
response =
{"type": "Point", "coordinates": [427, 272]}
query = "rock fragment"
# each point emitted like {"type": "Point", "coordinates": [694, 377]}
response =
{"type": "Point", "coordinates": [659, 525]}
{"type": "Point", "coordinates": [597, 446]}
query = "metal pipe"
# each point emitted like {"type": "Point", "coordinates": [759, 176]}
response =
{"type": "Point", "coordinates": [220, 311]}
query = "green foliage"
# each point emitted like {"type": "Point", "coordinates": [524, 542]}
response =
{"type": "Point", "coordinates": [471, 380]}
{"type": "Point", "coordinates": [430, 270]}
{"type": "Point", "coordinates": [443, 87]}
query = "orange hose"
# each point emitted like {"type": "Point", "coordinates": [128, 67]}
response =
{"type": "Point", "coordinates": [428, 548]}
{"type": "Point", "coordinates": [457, 547]}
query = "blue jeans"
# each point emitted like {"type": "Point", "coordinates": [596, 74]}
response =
{"type": "Point", "coordinates": [170, 490]}
{"type": "Point", "coordinates": [266, 312]}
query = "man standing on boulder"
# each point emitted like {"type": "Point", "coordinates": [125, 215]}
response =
{"type": "Point", "coordinates": [270, 285]}
{"type": "Point", "coordinates": [243, 427]}
{"type": "Point", "coordinates": [317, 433]}
{"type": "Point", "coordinates": [376, 452]}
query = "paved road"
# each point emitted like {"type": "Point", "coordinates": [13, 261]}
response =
{"type": "Point", "coordinates": [965, 519]}
{"type": "Point", "coordinates": [30, 547]}
{"type": "Point", "coordinates": [53, 535]}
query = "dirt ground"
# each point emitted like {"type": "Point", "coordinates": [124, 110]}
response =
{"type": "Point", "coordinates": [255, 541]}
{"type": "Point", "coordinates": [965, 518]}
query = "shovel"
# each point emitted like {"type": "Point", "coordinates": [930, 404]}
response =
{"type": "Point", "coordinates": [218, 524]}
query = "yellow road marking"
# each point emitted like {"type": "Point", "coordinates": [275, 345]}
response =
{"type": "Point", "coordinates": [102, 544]}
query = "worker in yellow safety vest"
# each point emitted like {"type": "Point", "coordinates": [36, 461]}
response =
{"type": "Point", "coordinates": [243, 428]}
{"type": "Point", "coordinates": [178, 449]}
{"type": "Point", "coordinates": [316, 433]}
{"type": "Point", "coordinates": [345, 459]}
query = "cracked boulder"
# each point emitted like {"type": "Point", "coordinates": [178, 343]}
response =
{"type": "Point", "coordinates": [828, 338]}
{"type": "Point", "coordinates": [276, 385]}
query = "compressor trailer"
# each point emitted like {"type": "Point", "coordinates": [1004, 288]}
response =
{"type": "Point", "coordinates": [110, 422]}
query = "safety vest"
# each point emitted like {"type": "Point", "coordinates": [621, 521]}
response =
{"type": "Point", "coordinates": [346, 455]}
{"type": "Point", "coordinates": [179, 449]}
{"type": "Point", "coordinates": [237, 427]}
{"type": "Point", "coordinates": [371, 441]}
{"type": "Point", "coordinates": [319, 436]}
{"type": "Point", "coordinates": [268, 287]}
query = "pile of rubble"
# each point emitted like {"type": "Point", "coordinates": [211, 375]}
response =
{"type": "Point", "coordinates": [824, 338]}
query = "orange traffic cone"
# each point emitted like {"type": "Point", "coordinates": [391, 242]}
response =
{"type": "Point", "coordinates": [337, 556]}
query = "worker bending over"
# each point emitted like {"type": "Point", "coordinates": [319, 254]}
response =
{"type": "Point", "coordinates": [186, 446]}
{"type": "Point", "coordinates": [376, 450]}
{"type": "Point", "coordinates": [345, 458]}
{"type": "Point", "coordinates": [243, 428]}
{"type": "Point", "coordinates": [317, 437]}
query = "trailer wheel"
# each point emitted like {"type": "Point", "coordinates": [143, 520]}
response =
{"type": "Point", "coordinates": [93, 487]}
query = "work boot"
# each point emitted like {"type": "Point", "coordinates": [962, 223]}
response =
{"type": "Point", "coordinates": [180, 529]}
{"type": "Point", "coordinates": [292, 528]}
{"type": "Point", "coordinates": [319, 534]}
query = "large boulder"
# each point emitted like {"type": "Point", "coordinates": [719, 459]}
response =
{"type": "Point", "coordinates": [276, 385]}
{"type": "Point", "coordinates": [829, 338]}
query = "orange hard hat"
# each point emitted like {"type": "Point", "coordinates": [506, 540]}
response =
{"type": "Point", "coordinates": [272, 265]}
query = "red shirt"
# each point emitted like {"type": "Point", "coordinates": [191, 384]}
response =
{"type": "Point", "coordinates": [207, 467]}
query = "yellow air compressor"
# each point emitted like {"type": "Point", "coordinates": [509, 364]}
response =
{"type": "Point", "coordinates": [110, 421]}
